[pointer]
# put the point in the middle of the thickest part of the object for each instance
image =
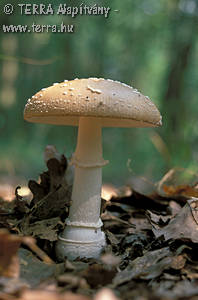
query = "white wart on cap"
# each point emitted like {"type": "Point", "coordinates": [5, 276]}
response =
{"type": "Point", "coordinates": [117, 104]}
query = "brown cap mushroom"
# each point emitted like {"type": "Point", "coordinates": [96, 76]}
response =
{"type": "Point", "coordinates": [117, 104]}
{"type": "Point", "coordinates": [91, 104]}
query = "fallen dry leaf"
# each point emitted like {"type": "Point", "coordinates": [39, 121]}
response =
{"type": "Point", "coordinates": [9, 264]}
{"type": "Point", "coordinates": [97, 274]}
{"type": "Point", "coordinates": [149, 266]}
{"type": "Point", "coordinates": [33, 271]}
{"type": "Point", "coordinates": [182, 226]}
{"type": "Point", "coordinates": [181, 190]}
{"type": "Point", "coordinates": [45, 229]}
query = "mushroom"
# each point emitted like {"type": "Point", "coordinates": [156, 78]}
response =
{"type": "Point", "coordinates": [90, 104]}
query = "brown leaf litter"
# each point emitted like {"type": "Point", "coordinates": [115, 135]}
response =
{"type": "Point", "coordinates": [152, 242]}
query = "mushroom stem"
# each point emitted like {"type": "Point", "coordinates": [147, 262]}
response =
{"type": "Point", "coordinates": [83, 236]}
{"type": "Point", "coordinates": [86, 193]}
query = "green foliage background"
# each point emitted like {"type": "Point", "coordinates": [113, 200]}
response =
{"type": "Point", "coordinates": [149, 44]}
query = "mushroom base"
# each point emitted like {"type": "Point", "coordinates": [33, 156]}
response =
{"type": "Point", "coordinates": [85, 242]}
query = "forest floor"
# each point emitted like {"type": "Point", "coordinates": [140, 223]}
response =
{"type": "Point", "coordinates": [151, 233]}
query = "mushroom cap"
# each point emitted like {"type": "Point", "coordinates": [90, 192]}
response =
{"type": "Point", "coordinates": [115, 103]}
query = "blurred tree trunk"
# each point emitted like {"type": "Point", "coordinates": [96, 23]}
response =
{"type": "Point", "coordinates": [182, 40]}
